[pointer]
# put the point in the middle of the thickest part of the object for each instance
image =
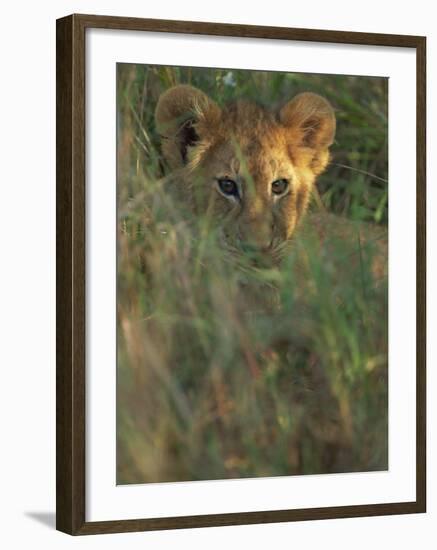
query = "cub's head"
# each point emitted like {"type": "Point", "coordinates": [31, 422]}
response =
{"type": "Point", "coordinates": [249, 169]}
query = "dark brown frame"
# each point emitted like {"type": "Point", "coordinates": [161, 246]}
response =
{"type": "Point", "coordinates": [70, 275]}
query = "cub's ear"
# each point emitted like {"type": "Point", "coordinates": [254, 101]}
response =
{"type": "Point", "coordinates": [312, 120]}
{"type": "Point", "coordinates": [183, 116]}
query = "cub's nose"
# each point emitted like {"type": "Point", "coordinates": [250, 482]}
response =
{"type": "Point", "coordinates": [255, 239]}
{"type": "Point", "coordinates": [259, 253]}
{"type": "Point", "coordinates": [250, 247]}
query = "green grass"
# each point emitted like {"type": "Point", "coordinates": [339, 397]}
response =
{"type": "Point", "coordinates": [227, 371]}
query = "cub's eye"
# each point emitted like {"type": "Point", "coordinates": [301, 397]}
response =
{"type": "Point", "coordinates": [228, 187]}
{"type": "Point", "coordinates": [279, 187]}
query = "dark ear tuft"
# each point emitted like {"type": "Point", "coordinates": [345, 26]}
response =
{"type": "Point", "coordinates": [187, 138]}
{"type": "Point", "coordinates": [312, 120]}
{"type": "Point", "coordinates": [182, 116]}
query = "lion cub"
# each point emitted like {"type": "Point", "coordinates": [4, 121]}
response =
{"type": "Point", "coordinates": [249, 170]}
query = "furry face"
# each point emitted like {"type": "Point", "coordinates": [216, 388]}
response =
{"type": "Point", "coordinates": [251, 171]}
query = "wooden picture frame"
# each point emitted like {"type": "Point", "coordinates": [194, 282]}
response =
{"type": "Point", "coordinates": [71, 284]}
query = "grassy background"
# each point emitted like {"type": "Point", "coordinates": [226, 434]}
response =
{"type": "Point", "coordinates": [226, 372]}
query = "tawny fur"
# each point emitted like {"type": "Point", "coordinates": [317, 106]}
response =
{"type": "Point", "coordinates": [253, 146]}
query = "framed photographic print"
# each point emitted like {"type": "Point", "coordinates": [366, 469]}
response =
{"type": "Point", "coordinates": [240, 274]}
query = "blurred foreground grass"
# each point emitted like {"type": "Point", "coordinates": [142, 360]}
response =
{"type": "Point", "coordinates": [226, 372]}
